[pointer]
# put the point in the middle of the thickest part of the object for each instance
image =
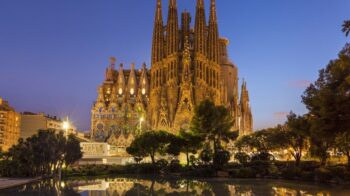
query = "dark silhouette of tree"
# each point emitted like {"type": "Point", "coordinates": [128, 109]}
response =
{"type": "Point", "coordinates": [346, 27]}
{"type": "Point", "coordinates": [186, 142]}
{"type": "Point", "coordinates": [328, 102]}
{"type": "Point", "coordinates": [150, 144]}
{"type": "Point", "coordinates": [213, 124]}
{"type": "Point", "coordinates": [42, 154]}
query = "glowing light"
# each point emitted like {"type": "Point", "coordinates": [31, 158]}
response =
{"type": "Point", "coordinates": [132, 91]}
{"type": "Point", "coordinates": [120, 91]}
{"type": "Point", "coordinates": [143, 91]}
{"type": "Point", "coordinates": [65, 125]}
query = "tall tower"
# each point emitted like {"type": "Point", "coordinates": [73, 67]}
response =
{"type": "Point", "coordinates": [200, 50]}
{"type": "Point", "coordinates": [172, 59]}
{"type": "Point", "coordinates": [246, 119]}
{"type": "Point", "coordinates": [157, 71]}
{"type": "Point", "coordinates": [213, 34]}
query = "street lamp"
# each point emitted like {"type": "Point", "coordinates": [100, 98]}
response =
{"type": "Point", "coordinates": [141, 120]}
{"type": "Point", "coordinates": [66, 127]}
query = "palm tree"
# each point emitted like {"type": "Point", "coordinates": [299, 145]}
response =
{"type": "Point", "coordinates": [346, 27]}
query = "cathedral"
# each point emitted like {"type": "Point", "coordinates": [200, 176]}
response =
{"type": "Point", "coordinates": [189, 64]}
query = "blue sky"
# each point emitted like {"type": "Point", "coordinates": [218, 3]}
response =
{"type": "Point", "coordinates": [53, 53]}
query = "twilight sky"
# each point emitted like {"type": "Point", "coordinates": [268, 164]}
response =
{"type": "Point", "coordinates": [53, 53]}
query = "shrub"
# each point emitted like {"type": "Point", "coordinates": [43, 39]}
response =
{"type": "Point", "coordinates": [206, 155]}
{"type": "Point", "coordinates": [242, 157]}
{"type": "Point", "coordinates": [307, 175]}
{"type": "Point", "coordinates": [339, 172]}
{"type": "Point", "coordinates": [263, 156]}
{"type": "Point", "coordinates": [162, 163]}
{"type": "Point", "coordinates": [323, 174]}
{"type": "Point", "coordinates": [246, 172]}
{"type": "Point", "coordinates": [291, 172]}
{"type": "Point", "coordinates": [174, 166]}
{"type": "Point", "coordinates": [221, 158]}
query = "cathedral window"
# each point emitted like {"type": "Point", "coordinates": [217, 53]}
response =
{"type": "Point", "coordinates": [132, 91]}
{"type": "Point", "coordinates": [120, 91]}
{"type": "Point", "coordinates": [143, 91]}
{"type": "Point", "coordinates": [100, 109]}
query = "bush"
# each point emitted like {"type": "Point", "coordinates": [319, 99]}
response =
{"type": "Point", "coordinates": [263, 156]}
{"type": "Point", "coordinates": [206, 155]}
{"type": "Point", "coordinates": [323, 174]}
{"type": "Point", "coordinates": [307, 175]}
{"type": "Point", "coordinates": [221, 158]}
{"type": "Point", "coordinates": [162, 163]}
{"type": "Point", "coordinates": [291, 172]}
{"type": "Point", "coordinates": [242, 157]}
{"type": "Point", "coordinates": [246, 172]}
{"type": "Point", "coordinates": [174, 167]}
{"type": "Point", "coordinates": [339, 172]}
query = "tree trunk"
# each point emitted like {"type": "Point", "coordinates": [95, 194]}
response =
{"type": "Point", "coordinates": [297, 158]}
{"type": "Point", "coordinates": [188, 158]}
{"type": "Point", "coordinates": [323, 160]}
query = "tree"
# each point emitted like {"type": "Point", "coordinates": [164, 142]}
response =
{"type": "Point", "coordinates": [73, 150]}
{"type": "Point", "coordinates": [213, 124]}
{"type": "Point", "coordinates": [343, 144]}
{"type": "Point", "coordinates": [150, 144]}
{"type": "Point", "coordinates": [206, 155]}
{"type": "Point", "coordinates": [328, 102]}
{"type": "Point", "coordinates": [261, 141]}
{"type": "Point", "coordinates": [298, 130]}
{"type": "Point", "coordinates": [186, 142]}
{"type": "Point", "coordinates": [346, 27]}
{"type": "Point", "coordinates": [42, 154]}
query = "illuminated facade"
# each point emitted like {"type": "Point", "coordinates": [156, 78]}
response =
{"type": "Point", "coordinates": [10, 122]}
{"type": "Point", "coordinates": [188, 66]}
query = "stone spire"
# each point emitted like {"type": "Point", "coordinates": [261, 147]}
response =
{"type": "Point", "coordinates": [185, 28]}
{"type": "Point", "coordinates": [213, 34]}
{"type": "Point", "coordinates": [110, 69]}
{"type": "Point", "coordinates": [200, 28]}
{"type": "Point", "coordinates": [246, 124]}
{"type": "Point", "coordinates": [158, 35]}
{"type": "Point", "coordinates": [244, 97]}
{"type": "Point", "coordinates": [172, 29]}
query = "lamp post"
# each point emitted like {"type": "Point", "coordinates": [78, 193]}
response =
{"type": "Point", "coordinates": [141, 120]}
{"type": "Point", "coordinates": [66, 127]}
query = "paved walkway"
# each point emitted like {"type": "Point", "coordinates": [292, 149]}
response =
{"type": "Point", "coordinates": [12, 182]}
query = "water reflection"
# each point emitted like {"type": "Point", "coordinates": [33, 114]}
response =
{"type": "Point", "coordinates": [158, 186]}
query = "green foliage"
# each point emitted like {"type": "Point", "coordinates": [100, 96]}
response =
{"type": "Point", "coordinates": [242, 157]}
{"type": "Point", "coordinates": [221, 158]}
{"type": "Point", "coordinates": [343, 144]}
{"type": "Point", "coordinates": [206, 155]}
{"type": "Point", "coordinates": [213, 124]}
{"type": "Point", "coordinates": [150, 143]}
{"type": "Point", "coordinates": [291, 172]}
{"type": "Point", "coordinates": [261, 141]}
{"type": "Point", "coordinates": [186, 142]}
{"type": "Point", "coordinates": [41, 154]}
{"type": "Point", "coordinates": [328, 102]}
{"type": "Point", "coordinates": [297, 135]}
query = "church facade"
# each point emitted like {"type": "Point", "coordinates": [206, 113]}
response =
{"type": "Point", "coordinates": [189, 65]}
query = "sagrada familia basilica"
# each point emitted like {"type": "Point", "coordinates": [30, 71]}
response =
{"type": "Point", "coordinates": [188, 66]}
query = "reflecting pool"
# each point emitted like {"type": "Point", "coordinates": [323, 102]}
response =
{"type": "Point", "coordinates": [160, 186]}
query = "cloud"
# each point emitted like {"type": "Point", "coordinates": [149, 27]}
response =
{"type": "Point", "coordinates": [280, 115]}
{"type": "Point", "coordinates": [300, 83]}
